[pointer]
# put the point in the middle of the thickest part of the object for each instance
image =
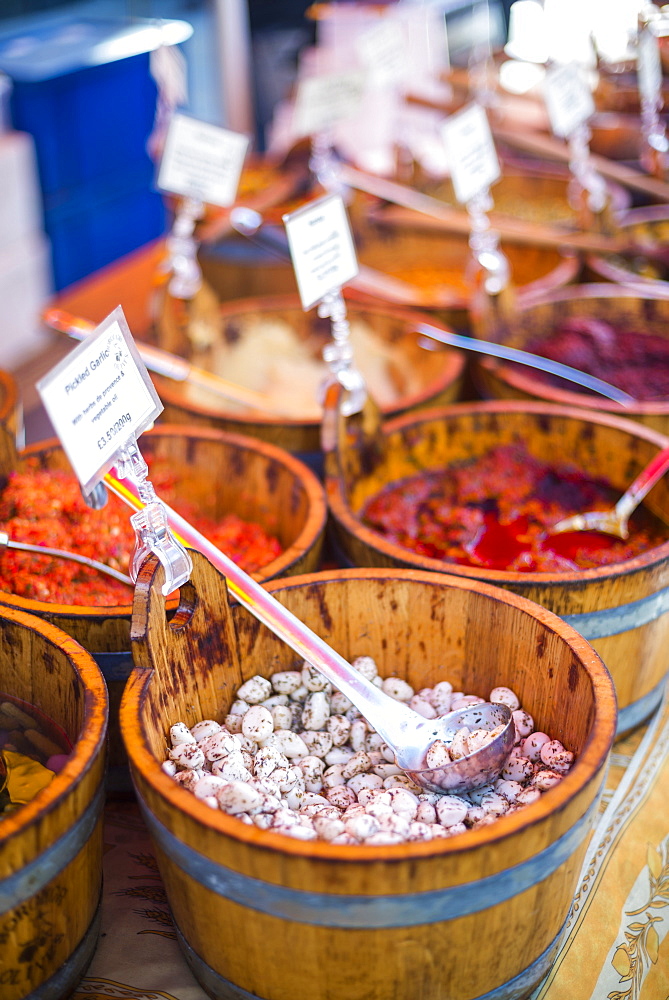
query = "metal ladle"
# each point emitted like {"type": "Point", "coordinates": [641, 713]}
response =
{"type": "Point", "coordinates": [42, 550]}
{"type": "Point", "coordinates": [495, 350]}
{"type": "Point", "coordinates": [615, 520]}
{"type": "Point", "coordinates": [406, 732]}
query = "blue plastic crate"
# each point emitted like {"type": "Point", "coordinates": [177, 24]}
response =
{"type": "Point", "coordinates": [102, 223]}
{"type": "Point", "coordinates": [87, 124]}
{"type": "Point", "coordinates": [83, 89]}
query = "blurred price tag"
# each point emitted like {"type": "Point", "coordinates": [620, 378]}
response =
{"type": "Point", "coordinates": [569, 100]}
{"type": "Point", "coordinates": [649, 67]}
{"type": "Point", "coordinates": [321, 248]}
{"type": "Point", "coordinates": [202, 161]}
{"type": "Point", "coordinates": [99, 397]}
{"type": "Point", "coordinates": [322, 101]}
{"type": "Point", "coordinates": [471, 151]}
{"type": "Point", "coordinates": [382, 50]}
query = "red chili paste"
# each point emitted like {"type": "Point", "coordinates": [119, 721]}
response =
{"type": "Point", "coordinates": [494, 511]}
{"type": "Point", "coordinates": [631, 360]}
{"type": "Point", "coordinates": [47, 508]}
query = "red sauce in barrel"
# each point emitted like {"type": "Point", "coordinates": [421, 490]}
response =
{"type": "Point", "coordinates": [46, 507]}
{"type": "Point", "coordinates": [631, 360]}
{"type": "Point", "coordinates": [494, 512]}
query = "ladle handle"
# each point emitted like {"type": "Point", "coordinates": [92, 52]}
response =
{"type": "Point", "coordinates": [388, 717]}
{"type": "Point", "coordinates": [43, 550]}
{"type": "Point", "coordinates": [643, 483]}
{"type": "Point", "coordinates": [525, 358]}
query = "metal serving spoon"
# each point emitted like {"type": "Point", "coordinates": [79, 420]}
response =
{"type": "Point", "coordinates": [406, 732]}
{"type": "Point", "coordinates": [42, 550]}
{"type": "Point", "coordinates": [522, 357]}
{"type": "Point", "coordinates": [615, 520]}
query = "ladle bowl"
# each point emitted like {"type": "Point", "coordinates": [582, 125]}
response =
{"type": "Point", "coordinates": [615, 521]}
{"type": "Point", "coordinates": [475, 769]}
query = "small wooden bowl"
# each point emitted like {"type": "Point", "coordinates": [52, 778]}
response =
{"type": "Point", "coordinates": [421, 379]}
{"type": "Point", "coordinates": [317, 920]}
{"type": "Point", "coordinates": [638, 308]}
{"type": "Point", "coordinates": [51, 848]}
{"type": "Point", "coordinates": [619, 608]}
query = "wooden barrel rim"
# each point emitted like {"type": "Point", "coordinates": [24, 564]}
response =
{"type": "Point", "coordinates": [616, 272]}
{"type": "Point", "coordinates": [93, 731]}
{"type": "Point", "coordinates": [341, 510]}
{"type": "Point", "coordinates": [590, 760]}
{"type": "Point", "coordinates": [525, 382]}
{"type": "Point", "coordinates": [394, 216]}
{"type": "Point", "coordinates": [314, 526]}
{"type": "Point", "coordinates": [454, 361]}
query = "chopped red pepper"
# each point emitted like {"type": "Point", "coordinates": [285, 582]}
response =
{"type": "Point", "coordinates": [47, 508]}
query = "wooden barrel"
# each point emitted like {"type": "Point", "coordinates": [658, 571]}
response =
{"type": "Point", "coordinates": [51, 848]}
{"type": "Point", "coordinates": [410, 921]}
{"type": "Point", "coordinates": [646, 310]}
{"type": "Point", "coordinates": [622, 609]}
{"type": "Point", "coordinates": [642, 227]}
{"type": "Point", "coordinates": [536, 192]}
{"type": "Point", "coordinates": [223, 473]}
{"type": "Point", "coordinates": [417, 378]}
{"type": "Point", "coordinates": [416, 249]}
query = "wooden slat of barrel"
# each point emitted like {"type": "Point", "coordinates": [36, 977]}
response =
{"type": "Point", "coordinates": [469, 916]}
{"type": "Point", "coordinates": [11, 422]}
{"type": "Point", "coordinates": [622, 609]}
{"type": "Point", "coordinates": [51, 848]}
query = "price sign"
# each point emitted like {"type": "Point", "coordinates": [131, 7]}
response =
{"type": "Point", "coordinates": [471, 150]}
{"type": "Point", "coordinates": [382, 49]}
{"type": "Point", "coordinates": [322, 101]}
{"type": "Point", "coordinates": [649, 67]}
{"type": "Point", "coordinates": [321, 248]}
{"type": "Point", "coordinates": [568, 98]}
{"type": "Point", "coordinates": [202, 161]}
{"type": "Point", "coordinates": [99, 397]}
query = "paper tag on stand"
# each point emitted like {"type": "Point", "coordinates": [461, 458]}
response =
{"type": "Point", "coordinates": [98, 398]}
{"type": "Point", "coordinates": [568, 98]}
{"type": "Point", "coordinates": [471, 151]}
{"type": "Point", "coordinates": [322, 101]}
{"type": "Point", "coordinates": [321, 248]}
{"type": "Point", "coordinates": [202, 161]}
{"type": "Point", "coordinates": [382, 50]}
{"type": "Point", "coordinates": [649, 67]}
